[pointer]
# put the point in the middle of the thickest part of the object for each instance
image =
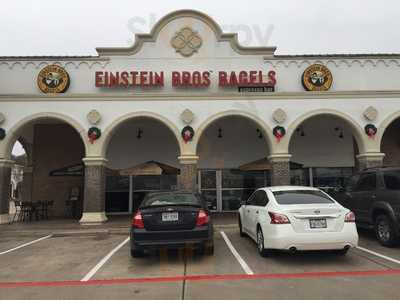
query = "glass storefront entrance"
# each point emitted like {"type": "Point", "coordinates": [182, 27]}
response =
{"type": "Point", "coordinates": [225, 189]}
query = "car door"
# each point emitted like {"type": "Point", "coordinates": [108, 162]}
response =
{"type": "Point", "coordinates": [246, 212]}
{"type": "Point", "coordinates": [346, 197]}
{"type": "Point", "coordinates": [364, 195]}
{"type": "Point", "coordinates": [255, 209]}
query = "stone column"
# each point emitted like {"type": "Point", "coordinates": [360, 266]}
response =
{"type": "Point", "coordinates": [26, 184]}
{"type": "Point", "coordinates": [5, 188]}
{"type": "Point", "coordinates": [370, 160]}
{"type": "Point", "coordinates": [187, 178]}
{"type": "Point", "coordinates": [280, 169]}
{"type": "Point", "coordinates": [94, 191]}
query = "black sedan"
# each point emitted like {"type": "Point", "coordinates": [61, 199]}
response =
{"type": "Point", "coordinates": [172, 220]}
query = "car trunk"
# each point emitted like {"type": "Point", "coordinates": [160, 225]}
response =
{"type": "Point", "coordinates": [306, 218]}
{"type": "Point", "coordinates": [170, 218]}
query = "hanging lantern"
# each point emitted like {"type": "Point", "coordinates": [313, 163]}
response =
{"type": "Point", "coordinates": [370, 130]}
{"type": "Point", "coordinates": [2, 133]}
{"type": "Point", "coordinates": [279, 132]}
{"type": "Point", "coordinates": [187, 133]}
{"type": "Point", "coordinates": [94, 133]}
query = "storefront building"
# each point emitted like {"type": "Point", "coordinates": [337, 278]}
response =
{"type": "Point", "coordinates": [187, 107]}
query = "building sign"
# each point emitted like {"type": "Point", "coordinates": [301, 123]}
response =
{"type": "Point", "coordinates": [53, 79]}
{"type": "Point", "coordinates": [195, 79]}
{"type": "Point", "coordinates": [317, 78]}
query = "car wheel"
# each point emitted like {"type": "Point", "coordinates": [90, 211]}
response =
{"type": "Point", "coordinates": [137, 252]}
{"type": "Point", "coordinates": [341, 252]}
{"type": "Point", "coordinates": [242, 234]}
{"type": "Point", "coordinates": [260, 243]}
{"type": "Point", "coordinates": [385, 231]}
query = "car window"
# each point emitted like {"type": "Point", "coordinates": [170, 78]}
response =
{"type": "Point", "coordinates": [170, 199]}
{"type": "Point", "coordinates": [392, 180]}
{"type": "Point", "coordinates": [352, 183]}
{"type": "Point", "coordinates": [294, 197]}
{"type": "Point", "coordinates": [260, 198]}
{"type": "Point", "coordinates": [250, 200]}
{"type": "Point", "coordinates": [367, 182]}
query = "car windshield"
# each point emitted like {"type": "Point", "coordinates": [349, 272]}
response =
{"type": "Point", "coordinates": [171, 199]}
{"type": "Point", "coordinates": [301, 197]}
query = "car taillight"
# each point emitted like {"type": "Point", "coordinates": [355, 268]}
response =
{"type": "Point", "coordinates": [350, 217]}
{"type": "Point", "coordinates": [137, 220]}
{"type": "Point", "coordinates": [202, 218]}
{"type": "Point", "coordinates": [278, 218]}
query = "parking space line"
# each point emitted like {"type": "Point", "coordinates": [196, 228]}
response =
{"type": "Point", "coordinates": [241, 261]}
{"type": "Point", "coordinates": [93, 271]}
{"type": "Point", "coordinates": [379, 255]}
{"type": "Point", "coordinates": [26, 244]}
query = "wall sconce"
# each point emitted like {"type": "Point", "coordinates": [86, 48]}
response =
{"type": "Point", "coordinates": [219, 133]}
{"type": "Point", "coordinates": [259, 133]}
{"type": "Point", "coordinates": [139, 133]}
{"type": "Point", "coordinates": [340, 132]}
{"type": "Point", "coordinates": [300, 130]}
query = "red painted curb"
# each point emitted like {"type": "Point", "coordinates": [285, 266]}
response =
{"type": "Point", "coordinates": [226, 277]}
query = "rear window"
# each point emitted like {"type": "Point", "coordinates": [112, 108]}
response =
{"type": "Point", "coordinates": [392, 180]}
{"type": "Point", "coordinates": [301, 197]}
{"type": "Point", "coordinates": [171, 199]}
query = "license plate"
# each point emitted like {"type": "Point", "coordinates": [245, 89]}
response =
{"type": "Point", "coordinates": [170, 216]}
{"type": "Point", "coordinates": [318, 223]}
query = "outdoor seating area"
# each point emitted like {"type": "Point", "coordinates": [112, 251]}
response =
{"type": "Point", "coordinates": [27, 211]}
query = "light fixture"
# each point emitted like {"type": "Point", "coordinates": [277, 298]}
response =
{"type": "Point", "coordinates": [340, 132]}
{"type": "Point", "coordinates": [219, 133]}
{"type": "Point", "coordinates": [259, 133]}
{"type": "Point", "coordinates": [300, 130]}
{"type": "Point", "coordinates": [139, 133]}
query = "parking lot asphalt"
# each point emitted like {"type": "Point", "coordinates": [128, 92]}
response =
{"type": "Point", "coordinates": [54, 267]}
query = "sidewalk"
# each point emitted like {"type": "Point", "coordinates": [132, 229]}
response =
{"type": "Point", "coordinates": [114, 225]}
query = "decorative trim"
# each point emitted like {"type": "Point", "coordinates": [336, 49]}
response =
{"type": "Point", "coordinates": [95, 161]}
{"type": "Point", "coordinates": [209, 96]}
{"type": "Point", "coordinates": [38, 64]}
{"type": "Point", "coordinates": [301, 62]}
{"type": "Point", "coordinates": [151, 37]}
{"type": "Point", "coordinates": [188, 159]}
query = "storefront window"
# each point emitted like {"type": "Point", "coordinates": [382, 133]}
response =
{"type": "Point", "coordinates": [117, 193]}
{"type": "Point", "coordinates": [300, 177]}
{"type": "Point", "coordinates": [331, 180]}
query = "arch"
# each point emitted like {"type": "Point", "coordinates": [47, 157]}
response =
{"type": "Point", "coordinates": [384, 125]}
{"type": "Point", "coordinates": [356, 129]}
{"type": "Point", "coordinates": [12, 135]}
{"type": "Point", "coordinates": [110, 130]}
{"type": "Point", "coordinates": [265, 129]}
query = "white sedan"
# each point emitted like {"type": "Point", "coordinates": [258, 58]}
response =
{"type": "Point", "coordinates": [297, 218]}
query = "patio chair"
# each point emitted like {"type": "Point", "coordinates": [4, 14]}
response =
{"type": "Point", "coordinates": [18, 211]}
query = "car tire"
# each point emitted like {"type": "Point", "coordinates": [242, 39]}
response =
{"type": "Point", "coordinates": [241, 233]}
{"type": "Point", "coordinates": [341, 252]}
{"type": "Point", "coordinates": [137, 252]}
{"type": "Point", "coordinates": [385, 231]}
{"type": "Point", "coordinates": [260, 243]}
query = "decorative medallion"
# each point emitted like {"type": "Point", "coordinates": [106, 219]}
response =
{"type": "Point", "coordinates": [93, 117]}
{"type": "Point", "coordinates": [279, 132]}
{"type": "Point", "coordinates": [187, 116]}
{"type": "Point", "coordinates": [94, 133]}
{"type": "Point", "coordinates": [2, 118]}
{"type": "Point", "coordinates": [2, 133]}
{"type": "Point", "coordinates": [187, 133]}
{"type": "Point", "coordinates": [53, 79]}
{"type": "Point", "coordinates": [370, 113]}
{"type": "Point", "coordinates": [186, 41]}
{"type": "Point", "coordinates": [279, 116]}
{"type": "Point", "coordinates": [317, 78]}
{"type": "Point", "coordinates": [370, 130]}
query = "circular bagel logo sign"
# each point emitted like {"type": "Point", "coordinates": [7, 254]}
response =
{"type": "Point", "coordinates": [53, 79]}
{"type": "Point", "coordinates": [317, 78]}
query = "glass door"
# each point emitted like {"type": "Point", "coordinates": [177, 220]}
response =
{"type": "Point", "coordinates": [208, 188]}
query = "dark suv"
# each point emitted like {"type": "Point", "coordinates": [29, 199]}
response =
{"type": "Point", "coordinates": [374, 196]}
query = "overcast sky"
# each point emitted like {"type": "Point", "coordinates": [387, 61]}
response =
{"type": "Point", "coordinates": [76, 27]}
